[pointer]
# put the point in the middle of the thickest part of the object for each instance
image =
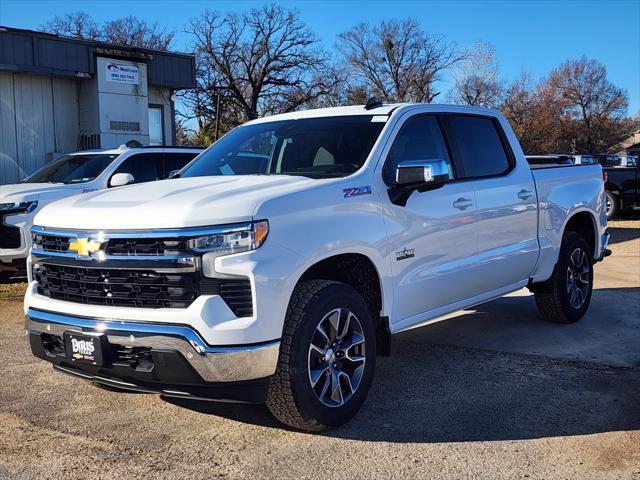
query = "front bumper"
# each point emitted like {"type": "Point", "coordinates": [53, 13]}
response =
{"type": "Point", "coordinates": [180, 360]}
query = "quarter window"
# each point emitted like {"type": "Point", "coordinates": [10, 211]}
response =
{"type": "Point", "coordinates": [419, 138]}
{"type": "Point", "coordinates": [479, 145]}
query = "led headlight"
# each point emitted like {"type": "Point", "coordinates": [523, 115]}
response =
{"type": "Point", "coordinates": [20, 207]}
{"type": "Point", "coordinates": [228, 240]}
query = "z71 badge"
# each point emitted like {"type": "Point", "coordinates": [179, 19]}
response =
{"type": "Point", "coordinates": [405, 253]}
{"type": "Point", "coordinates": [356, 191]}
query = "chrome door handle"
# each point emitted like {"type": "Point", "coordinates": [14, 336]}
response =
{"type": "Point", "coordinates": [524, 194]}
{"type": "Point", "coordinates": [462, 203]}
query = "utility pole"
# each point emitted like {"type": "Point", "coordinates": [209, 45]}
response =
{"type": "Point", "coordinates": [217, 128]}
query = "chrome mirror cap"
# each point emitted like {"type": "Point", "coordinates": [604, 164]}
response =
{"type": "Point", "coordinates": [415, 172]}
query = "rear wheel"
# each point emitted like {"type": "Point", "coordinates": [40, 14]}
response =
{"type": "Point", "coordinates": [327, 357]}
{"type": "Point", "coordinates": [566, 296]}
{"type": "Point", "coordinates": [611, 205]}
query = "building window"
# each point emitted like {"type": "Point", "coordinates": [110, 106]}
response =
{"type": "Point", "coordinates": [156, 132]}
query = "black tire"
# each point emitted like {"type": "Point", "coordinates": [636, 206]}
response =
{"type": "Point", "coordinates": [554, 298]}
{"type": "Point", "coordinates": [291, 398]}
{"type": "Point", "coordinates": [5, 276]}
{"type": "Point", "coordinates": [612, 205]}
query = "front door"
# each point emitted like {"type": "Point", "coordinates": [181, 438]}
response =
{"type": "Point", "coordinates": [433, 238]}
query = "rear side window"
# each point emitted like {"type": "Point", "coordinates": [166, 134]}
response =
{"type": "Point", "coordinates": [479, 145]}
{"type": "Point", "coordinates": [143, 167]}
{"type": "Point", "coordinates": [418, 139]}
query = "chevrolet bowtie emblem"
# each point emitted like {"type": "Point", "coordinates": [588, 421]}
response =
{"type": "Point", "coordinates": [84, 246]}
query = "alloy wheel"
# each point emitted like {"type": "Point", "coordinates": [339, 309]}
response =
{"type": "Point", "coordinates": [336, 357]}
{"type": "Point", "coordinates": [578, 281]}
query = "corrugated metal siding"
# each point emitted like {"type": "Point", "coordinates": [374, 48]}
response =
{"type": "Point", "coordinates": [64, 55]}
{"type": "Point", "coordinates": [16, 49]}
{"type": "Point", "coordinates": [38, 118]}
{"type": "Point", "coordinates": [9, 168]}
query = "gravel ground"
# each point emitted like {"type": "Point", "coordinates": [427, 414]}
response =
{"type": "Point", "coordinates": [435, 411]}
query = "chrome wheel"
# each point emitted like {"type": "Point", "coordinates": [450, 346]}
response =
{"type": "Point", "coordinates": [608, 206]}
{"type": "Point", "coordinates": [578, 278]}
{"type": "Point", "coordinates": [336, 357]}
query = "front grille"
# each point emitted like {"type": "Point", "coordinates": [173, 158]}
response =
{"type": "Point", "coordinates": [52, 243]}
{"type": "Point", "coordinates": [123, 288]}
{"type": "Point", "coordinates": [139, 288]}
{"type": "Point", "coordinates": [146, 246]}
{"type": "Point", "coordinates": [9, 235]}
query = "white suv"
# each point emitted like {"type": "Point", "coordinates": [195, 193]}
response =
{"type": "Point", "coordinates": [71, 174]}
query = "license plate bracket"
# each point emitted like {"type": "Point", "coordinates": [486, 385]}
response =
{"type": "Point", "coordinates": [84, 348]}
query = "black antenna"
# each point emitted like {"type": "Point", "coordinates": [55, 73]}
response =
{"type": "Point", "coordinates": [373, 102]}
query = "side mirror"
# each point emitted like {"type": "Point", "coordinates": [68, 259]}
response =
{"type": "Point", "coordinates": [418, 175]}
{"type": "Point", "coordinates": [120, 179]}
{"type": "Point", "coordinates": [173, 173]}
{"type": "Point", "coordinates": [422, 172]}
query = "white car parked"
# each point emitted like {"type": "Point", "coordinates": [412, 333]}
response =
{"type": "Point", "coordinates": [288, 253]}
{"type": "Point", "coordinates": [69, 175]}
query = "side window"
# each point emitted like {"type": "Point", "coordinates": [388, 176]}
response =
{"type": "Point", "coordinates": [419, 138]}
{"type": "Point", "coordinates": [174, 161]}
{"type": "Point", "coordinates": [479, 145]}
{"type": "Point", "coordinates": [143, 167]}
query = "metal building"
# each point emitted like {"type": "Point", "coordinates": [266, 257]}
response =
{"type": "Point", "coordinates": [60, 95]}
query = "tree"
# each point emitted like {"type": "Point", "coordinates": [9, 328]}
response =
{"type": "Point", "coordinates": [396, 60]}
{"type": "Point", "coordinates": [75, 25]}
{"type": "Point", "coordinates": [260, 62]}
{"type": "Point", "coordinates": [536, 118]}
{"type": "Point", "coordinates": [598, 107]}
{"type": "Point", "coordinates": [133, 32]}
{"type": "Point", "coordinates": [129, 31]}
{"type": "Point", "coordinates": [477, 78]}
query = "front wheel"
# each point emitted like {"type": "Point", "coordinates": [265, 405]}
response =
{"type": "Point", "coordinates": [566, 296]}
{"type": "Point", "coordinates": [327, 357]}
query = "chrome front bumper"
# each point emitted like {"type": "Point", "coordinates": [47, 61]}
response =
{"type": "Point", "coordinates": [213, 364]}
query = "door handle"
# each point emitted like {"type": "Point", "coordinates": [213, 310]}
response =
{"type": "Point", "coordinates": [462, 203]}
{"type": "Point", "coordinates": [524, 194]}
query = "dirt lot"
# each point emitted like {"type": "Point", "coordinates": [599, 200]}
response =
{"type": "Point", "coordinates": [492, 393]}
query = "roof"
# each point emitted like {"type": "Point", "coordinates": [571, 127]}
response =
{"type": "Point", "coordinates": [383, 110]}
{"type": "Point", "coordinates": [148, 148]}
{"type": "Point", "coordinates": [48, 54]}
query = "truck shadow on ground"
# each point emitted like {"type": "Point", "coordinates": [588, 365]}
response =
{"type": "Point", "coordinates": [433, 392]}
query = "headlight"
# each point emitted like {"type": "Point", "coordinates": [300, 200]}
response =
{"type": "Point", "coordinates": [227, 241]}
{"type": "Point", "coordinates": [21, 207]}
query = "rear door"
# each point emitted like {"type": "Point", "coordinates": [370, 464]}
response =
{"type": "Point", "coordinates": [506, 200]}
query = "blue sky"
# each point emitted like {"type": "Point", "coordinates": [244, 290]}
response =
{"type": "Point", "coordinates": [532, 36]}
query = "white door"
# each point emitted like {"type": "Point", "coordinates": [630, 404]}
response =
{"type": "Point", "coordinates": [506, 200]}
{"type": "Point", "coordinates": [433, 238]}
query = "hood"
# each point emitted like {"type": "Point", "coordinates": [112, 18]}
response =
{"type": "Point", "coordinates": [21, 192]}
{"type": "Point", "coordinates": [175, 203]}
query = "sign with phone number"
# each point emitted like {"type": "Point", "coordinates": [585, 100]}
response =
{"type": "Point", "coordinates": [119, 73]}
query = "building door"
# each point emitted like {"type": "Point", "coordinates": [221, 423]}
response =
{"type": "Point", "coordinates": [156, 132]}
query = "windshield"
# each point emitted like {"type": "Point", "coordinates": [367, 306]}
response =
{"type": "Point", "coordinates": [315, 147]}
{"type": "Point", "coordinates": [72, 169]}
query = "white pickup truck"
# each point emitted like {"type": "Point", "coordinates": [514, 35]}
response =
{"type": "Point", "coordinates": [70, 175]}
{"type": "Point", "coordinates": [286, 255]}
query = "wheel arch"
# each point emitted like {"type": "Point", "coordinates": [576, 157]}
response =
{"type": "Point", "coordinates": [584, 223]}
